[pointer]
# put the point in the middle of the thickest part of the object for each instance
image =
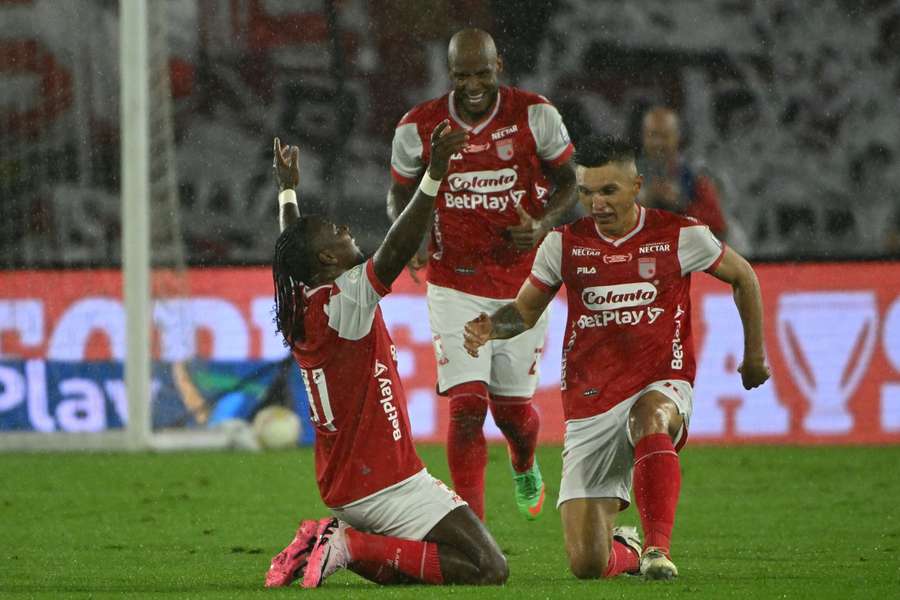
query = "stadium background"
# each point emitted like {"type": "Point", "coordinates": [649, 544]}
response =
{"type": "Point", "coordinates": [791, 105]}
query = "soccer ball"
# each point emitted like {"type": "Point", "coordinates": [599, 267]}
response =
{"type": "Point", "coordinates": [276, 427]}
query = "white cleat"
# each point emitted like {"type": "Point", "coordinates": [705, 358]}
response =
{"type": "Point", "coordinates": [328, 555]}
{"type": "Point", "coordinates": [656, 565]}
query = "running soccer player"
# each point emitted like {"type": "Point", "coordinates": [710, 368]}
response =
{"type": "Point", "coordinates": [628, 359]}
{"type": "Point", "coordinates": [392, 521]}
{"type": "Point", "coordinates": [494, 207]}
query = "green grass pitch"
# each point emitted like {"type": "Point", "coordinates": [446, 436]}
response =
{"type": "Point", "coordinates": [753, 522]}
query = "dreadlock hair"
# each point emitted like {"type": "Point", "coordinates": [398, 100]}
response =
{"type": "Point", "coordinates": [599, 150]}
{"type": "Point", "coordinates": [291, 269]}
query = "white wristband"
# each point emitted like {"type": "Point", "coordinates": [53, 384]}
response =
{"type": "Point", "coordinates": [429, 186]}
{"type": "Point", "coordinates": [287, 197]}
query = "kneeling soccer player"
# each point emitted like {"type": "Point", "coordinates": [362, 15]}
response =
{"type": "Point", "coordinates": [628, 359]}
{"type": "Point", "coordinates": [393, 522]}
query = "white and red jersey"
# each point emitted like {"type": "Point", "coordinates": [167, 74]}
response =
{"type": "Point", "coordinates": [629, 301]}
{"type": "Point", "coordinates": [500, 168]}
{"type": "Point", "coordinates": [356, 400]}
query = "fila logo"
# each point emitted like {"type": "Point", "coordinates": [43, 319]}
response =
{"type": "Point", "coordinates": [611, 259]}
{"type": "Point", "coordinates": [506, 131]}
{"type": "Point", "coordinates": [655, 247]}
{"type": "Point", "coordinates": [625, 295]}
{"type": "Point", "coordinates": [586, 271]}
{"type": "Point", "coordinates": [578, 251]}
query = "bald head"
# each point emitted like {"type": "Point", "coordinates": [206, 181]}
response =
{"type": "Point", "coordinates": [661, 134]}
{"type": "Point", "coordinates": [468, 42]}
{"type": "Point", "coordinates": [474, 70]}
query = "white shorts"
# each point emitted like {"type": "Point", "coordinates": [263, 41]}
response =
{"type": "Point", "coordinates": [508, 367]}
{"type": "Point", "coordinates": [598, 452]}
{"type": "Point", "coordinates": [408, 509]}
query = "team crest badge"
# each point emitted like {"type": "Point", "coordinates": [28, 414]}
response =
{"type": "Point", "coordinates": [647, 267]}
{"type": "Point", "coordinates": [505, 149]}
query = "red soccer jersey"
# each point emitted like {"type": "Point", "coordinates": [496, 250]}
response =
{"type": "Point", "coordinates": [356, 400]}
{"type": "Point", "coordinates": [499, 169]}
{"type": "Point", "coordinates": [629, 301]}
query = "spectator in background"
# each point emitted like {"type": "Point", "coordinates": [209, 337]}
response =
{"type": "Point", "coordinates": [670, 183]}
{"type": "Point", "coordinates": [876, 184]}
{"type": "Point", "coordinates": [892, 239]}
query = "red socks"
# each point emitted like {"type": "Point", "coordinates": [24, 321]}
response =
{"type": "Point", "coordinates": [519, 422]}
{"type": "Point", "coordinates": [657, 481]}
{"type": "Point", "coordinates": [466, 446]}
{"type": "Point", "coordinates": [412, 558]}
{"type": "Point", "coordinates": [380, 573]}
{"type": "Point", "coordinates": [622, 559]}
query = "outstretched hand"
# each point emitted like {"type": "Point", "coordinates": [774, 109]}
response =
{"type": "Point", "coordinates": [445, 142]}
{"type": "Point", "coordinates": [754, 373]}
{"type": "Point", "coordinates": [528, 233]}
{"type": "Point", "coordinates": [477, 333]}
{"type": "Point", "coordinates": [286, 165]}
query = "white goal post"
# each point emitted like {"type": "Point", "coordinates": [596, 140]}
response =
{"type": "Point", "coordinates": [136, 53]}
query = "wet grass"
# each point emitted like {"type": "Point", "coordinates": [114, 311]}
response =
{"type": "Point", "coordinates": [754, 522]}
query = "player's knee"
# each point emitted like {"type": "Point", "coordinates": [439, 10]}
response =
{"type": "Point", "coordinates": [494, 570]}
{"type": "Point", "coordinates": [469, 388]}
{"type": "Point", "coordinates": [650, 415]}
{"type": "Point", "coordinates": [587, 564]}
{"type": "Point", "coordinates": [510, 412]}
{"type": "Point", "coordinates": [468, 404]}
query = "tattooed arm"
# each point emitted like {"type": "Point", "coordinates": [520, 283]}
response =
{"type": "Point", "coordinates": [510, 319]}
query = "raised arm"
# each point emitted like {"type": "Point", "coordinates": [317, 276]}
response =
{"type": "Point", "coordinates": [398, 197]}
{"type": "Point", "coordinates": [737, 272]}
{"type": "Point", "coordinates": [405, 235]}
{"type": "Point", "coordinates": [510, 319]}
{"type": "Point", "coordinates": [286, 165]}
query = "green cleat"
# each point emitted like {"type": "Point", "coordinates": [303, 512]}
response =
{"type": "Point", "coordinates": [530, 492]}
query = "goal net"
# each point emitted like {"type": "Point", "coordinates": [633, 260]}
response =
{"type": "Point", "coordinates": [107, 338]}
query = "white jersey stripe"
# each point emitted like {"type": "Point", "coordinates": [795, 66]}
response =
{"type": "Point", "coordinates": [322, 387]}
{"type": "Point", "coordinates": [406, 151]}
{"type": "Point", "coordinates": [547, 267]}
{"type": "Point", "coordinates": [698, 249]}
{"type": "Point", "coordinates": [311, 394]}
{"type": "Point", "coordinates": [550, 135]}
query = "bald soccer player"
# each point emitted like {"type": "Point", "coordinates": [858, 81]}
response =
{"type": "Point", "coordinates": [511, 184]}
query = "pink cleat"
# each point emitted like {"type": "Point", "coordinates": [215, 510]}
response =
{"type": "Point", "coordinates": [329, 554]}
{"type": "Point", "coordinates": [291, 562]}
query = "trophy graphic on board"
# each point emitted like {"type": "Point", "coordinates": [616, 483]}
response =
{"type": "Point", "coordinates": [827, 340]}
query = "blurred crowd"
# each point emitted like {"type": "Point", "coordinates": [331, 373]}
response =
{"type": "Point", "coordinates": [782, 115]}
